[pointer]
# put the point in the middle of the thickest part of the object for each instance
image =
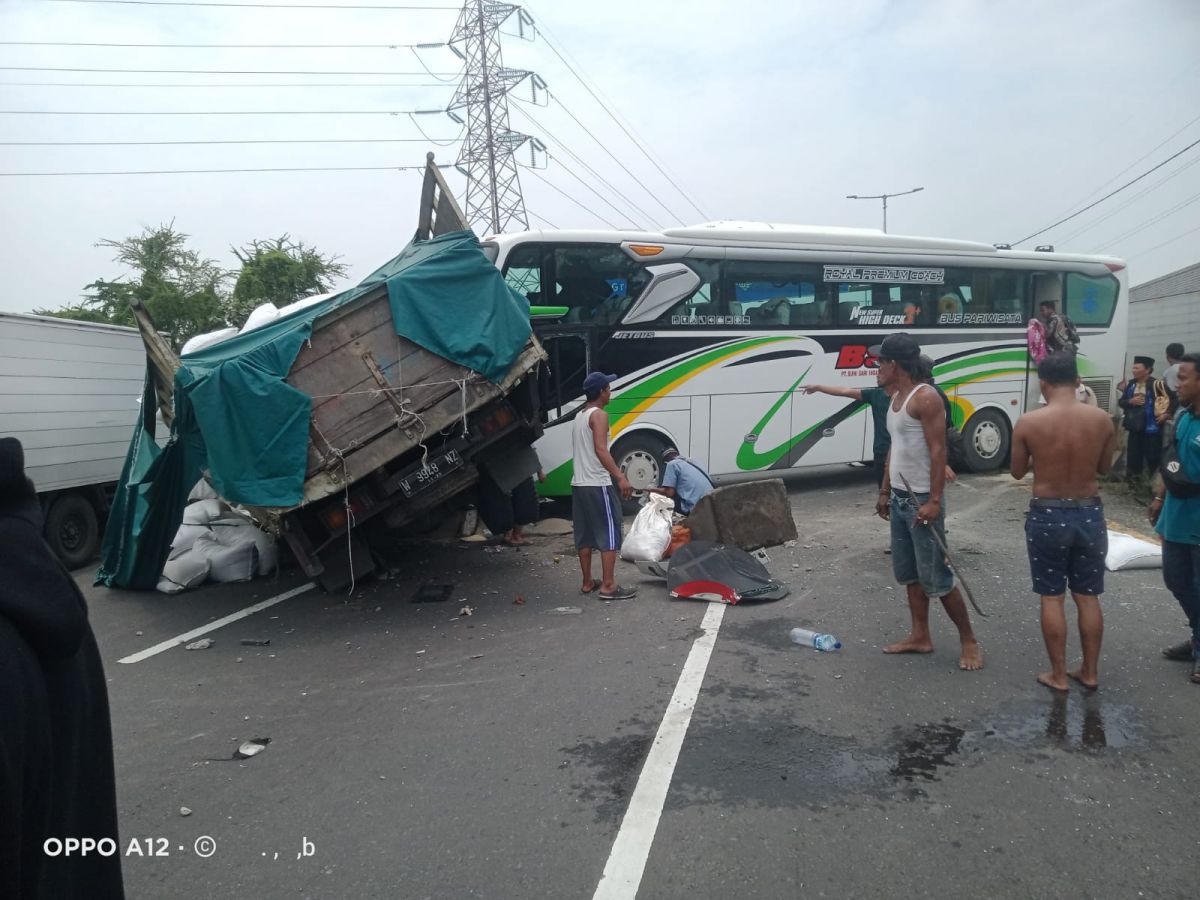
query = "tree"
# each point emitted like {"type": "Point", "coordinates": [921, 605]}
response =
{"type": "Point", "coordinates": [279, 271]}
{"type": "Point", "coordinates": [179, 288]}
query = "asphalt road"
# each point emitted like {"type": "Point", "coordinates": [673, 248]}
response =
{"type": "Point", "coordinates": [418, 753]}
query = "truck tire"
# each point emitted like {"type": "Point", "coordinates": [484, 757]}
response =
{"type": "Point", "coordinates": [72, 530]}
{"type": "Point", "coordinates": [986, 439]}
{"type": "Point", "coordinates": [640, 457]}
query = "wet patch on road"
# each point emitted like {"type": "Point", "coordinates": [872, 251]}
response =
{"type": "Point", "coordinates": [614, 766]}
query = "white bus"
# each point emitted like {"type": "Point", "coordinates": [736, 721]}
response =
{"type": "Point", "coordinates": [713, 329]}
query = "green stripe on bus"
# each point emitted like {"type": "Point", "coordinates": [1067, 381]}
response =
{"type": "Point", "coordinates": [1000, 356]}
{"type": "Point", "coordinates": [545, 312]}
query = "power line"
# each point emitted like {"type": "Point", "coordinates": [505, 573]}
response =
{"type": "Point", "coordinates": [1153, 220]}
{"type": "Point", "coordinates": [226, 46]}
{"type": "Point", "coordinates": [1144, 156]}
{"type": "Point", "coordinates": [1110, 193]}
{"type": "Point", "coordinates": [620, 124]}
{"type": "Point", "coordinates": [614, 158]}
{"type": "Point", "coordinates": [258, 5]}
{"type": "Point", "coordinates": [1164, 243]}
{"type": "Point", "coordinates": [542, 218]}
{"type": "Point", "coordinates": [594, 191]}
{"type": "Point", "coordinates": [211, 71]}
{"type": "Point", "coordinates": [223, 112]}
{"type": "Point", "coordinates": [420, 140]}
{"type": "Point", "coordinates": [591, 212]}
{"type": "Point", "coordinates": [242, 84]}
{"type": "Point", "coordinates": [216, 171]}
{"type": "Point", "coordinates": [562, 146]}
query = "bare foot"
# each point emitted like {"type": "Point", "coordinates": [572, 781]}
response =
{"type": "Point", "coordinates": [1048, 679]}
{"type": "Point", "coordinates": [1077, 675]}
{"type": "Point", "coordinates": [971, 657]}
{"type": "Point", "coordinates": [910, 645]}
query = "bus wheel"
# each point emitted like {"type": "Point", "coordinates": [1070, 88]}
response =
{"type": "Point", "coordinates": [72, 530]}
{"type": "Point", "coordinates": [986, 440]}
{"type": "Point", "coordinates": [640, 459]}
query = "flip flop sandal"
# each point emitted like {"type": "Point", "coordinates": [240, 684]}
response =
{"type": "Point", "coordinates": [1179, 653]}
{"type": "Point", "coordinates": [590, 590]}
{"type": "Point", "coordinates": [621, 593]}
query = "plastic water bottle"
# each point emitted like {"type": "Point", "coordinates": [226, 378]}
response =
{"type": "Point", "coordinates": [824, 642]}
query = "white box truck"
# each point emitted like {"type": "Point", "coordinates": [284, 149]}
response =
{"type": "Point", "coordinates": [70, 392]}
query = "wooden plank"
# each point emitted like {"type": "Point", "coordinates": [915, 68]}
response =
{"type": "Point", "coordinates": [343, 326]}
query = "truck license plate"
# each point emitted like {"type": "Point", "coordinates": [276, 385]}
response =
{"type": "Point", "coordinates": [438, 468]}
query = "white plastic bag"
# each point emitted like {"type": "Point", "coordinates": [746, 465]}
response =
{"type": "Point", "coordinates": [651, 532]}
{"type": "Point", "coordinates": [1128, 552]}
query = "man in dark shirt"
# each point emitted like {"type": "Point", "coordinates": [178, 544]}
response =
{"type": "Point", "coordinates": [878, 399]}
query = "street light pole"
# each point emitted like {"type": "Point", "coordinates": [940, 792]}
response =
{"type": "Point", "coordinates": [884, 198]}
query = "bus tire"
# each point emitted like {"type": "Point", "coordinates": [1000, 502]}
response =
{"type": "Point", "coordinates": [640, 457]}
{"type": "Point", "coordinates": [986, 439]}
{"type": "Point", "coordinates": [72, 530]}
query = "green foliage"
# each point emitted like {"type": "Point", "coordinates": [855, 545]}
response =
{"type": "Point", "coordinates": [279, 271]}
{"type": "Point", "coordinates": [186, 294]}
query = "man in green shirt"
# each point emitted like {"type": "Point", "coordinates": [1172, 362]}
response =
{"type": "Point", "coordinates": [1176, 515]}
{"type": "Point", "coordinates": [878, 399]}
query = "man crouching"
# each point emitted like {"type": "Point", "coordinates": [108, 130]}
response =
{"type": "Point", "coordinates": [1068, 444]}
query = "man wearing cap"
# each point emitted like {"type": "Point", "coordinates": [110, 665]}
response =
{"type": "Point", "coordinates": [684, 481]}
{"type": "Point", "coordinates": [595, 503]}
{"type": "Point", "coordinates": [916, 422]}
{"type": "Point", "coordinates": [1144, 443]}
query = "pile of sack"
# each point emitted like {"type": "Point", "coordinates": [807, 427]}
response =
{"type": "Point", "coordinates": [215, 543]}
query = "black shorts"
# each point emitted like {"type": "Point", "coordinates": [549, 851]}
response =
{"type": "Point", "coordinates": [1066, 547]}
{"type": "Point", "coordinates": [596, 513]}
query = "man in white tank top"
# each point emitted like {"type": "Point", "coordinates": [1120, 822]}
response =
{"type": "Point", "coordinates": [917, 424]}
{"type": "Point", "coordinates": [595, 504]}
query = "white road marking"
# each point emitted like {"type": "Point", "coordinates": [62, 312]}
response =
{"type": "Point", "coordinates": [213, 626]}
{"type": "Point", "coordinates": [623, 873]}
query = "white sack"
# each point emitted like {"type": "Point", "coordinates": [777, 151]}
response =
{"type": "Point", "coordinates": [303, 303]}
{"type": "Point", "coordinates": [650, 535]}
{"type": "Point", "coordinates": [202, 490]}
{"type": "Point", "coordinates": [1128, 552]}
{"type": "Point", "coordinates": [201, 512]}
{"type": "Point", "coordinates": [234, 530]}
{"type": "Point", "coordinates": [262, 315]}
{"type": "Point", "coordinates": [200, 341]}
{"type": "Point", "coordinates": [186, 537]}
{"type": "Point", "coordinates": [187, 570]}
{"type": "Point", "coordinates": [227, 564]}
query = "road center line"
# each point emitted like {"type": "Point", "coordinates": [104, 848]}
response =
{"type": "Point", "coordinates": [213, 626]}
{"type": "Point", "coordinates": [623, 873]}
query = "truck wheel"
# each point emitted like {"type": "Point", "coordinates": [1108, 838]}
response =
{"type": "Point", "coordinates": [986, 439]}
{"type": "Point", "coordinates": [640, 459]}
{"type": "Point", "coordinates": [72, 530]}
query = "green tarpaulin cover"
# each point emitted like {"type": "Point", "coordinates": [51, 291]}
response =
{"type": "Point", "coordinates": [237, 417]}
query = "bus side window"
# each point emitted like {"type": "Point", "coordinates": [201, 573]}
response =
{"type": "Point", "coordinates": [523, 272]}
{"type": "Point", "coordinates": [597, 282]}
{"type": "Point", "coordinates": [1090, 299]}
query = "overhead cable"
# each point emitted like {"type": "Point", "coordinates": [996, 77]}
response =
{"type": "Point", "coordinates": [557, 189]}
{"type": "Point", "coordinates": [212, 71]}
{"type": "Point", "coordinates": [216, 171]}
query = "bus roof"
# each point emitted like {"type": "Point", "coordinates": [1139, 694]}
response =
{"type": "Point", "coordinates": [772, 235]}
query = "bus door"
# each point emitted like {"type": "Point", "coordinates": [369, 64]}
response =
{"type": "Point", "coordinates": [570, 348]}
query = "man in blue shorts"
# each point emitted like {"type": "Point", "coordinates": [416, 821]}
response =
{"type": "Point", "coordinates": [1067, 444]}
{"type": "Point", "coordinates": [595, 504]}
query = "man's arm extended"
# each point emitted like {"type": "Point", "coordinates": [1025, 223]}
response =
{"type": "Point", "coordinates": [599, 425]}
{"type": "Point", "coordinates": [848, 393]}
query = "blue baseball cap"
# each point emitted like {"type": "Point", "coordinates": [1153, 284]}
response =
{"type": "Point", "coordinates": [596, 382]}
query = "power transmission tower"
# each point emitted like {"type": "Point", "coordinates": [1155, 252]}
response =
{"type": "Point", "coordinates": [487, 157]}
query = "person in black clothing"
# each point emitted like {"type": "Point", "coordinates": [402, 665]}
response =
{"type": "Point", "coordinates": [56, 761]}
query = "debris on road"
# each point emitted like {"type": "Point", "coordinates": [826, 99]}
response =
{"type": "Point", "coordinates": [467, 611]}
{"type": "Point", "coordinates": [251, 748]}
{"type": "Point", "coordinates": [202, 644]}
{"type": "Point", "coordinates": [138, 633]}
{"type": "Point", "coordinates": [184, 811]}
{"type": "Point", "coordinates": [565, 611]}
{"type": "Point", "coordinates": [255, 642]}
{"type": "Point", "coordinates": [520, 601]}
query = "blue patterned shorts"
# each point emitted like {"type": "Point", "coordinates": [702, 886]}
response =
{"type": "Point", "coordinates": [1066, 547]}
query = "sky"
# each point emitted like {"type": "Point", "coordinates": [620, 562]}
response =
{"type": "Point", "coordinates": [1009, 114]}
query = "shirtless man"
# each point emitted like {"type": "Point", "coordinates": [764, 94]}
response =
{"type": "Point", "coordinates": [1067, 444]}
{"type": "Point", "coordinates": [916, 421]}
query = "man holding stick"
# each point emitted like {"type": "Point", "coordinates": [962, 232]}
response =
{"type": "Point", "coordinates": [916, 421]}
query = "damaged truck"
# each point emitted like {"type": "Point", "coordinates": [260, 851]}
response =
{"type": "Point", "coordinates": [376, 405]}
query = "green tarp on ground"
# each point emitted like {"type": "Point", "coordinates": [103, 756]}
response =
{"type": "Point", "coordinates": [237, 418]}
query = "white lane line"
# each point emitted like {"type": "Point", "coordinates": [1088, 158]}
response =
{"type": "Point", "coordinates": [213, 626]}
{"type": "Point", "coordinates": [627, 861]}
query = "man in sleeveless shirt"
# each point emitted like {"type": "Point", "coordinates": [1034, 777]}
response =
{"type": "Point", "coordinates": [1067, 444]}
{"type": "Point", "coordinates": [917, 425]}
{"type": "Point", "coordinates": [595, 503]}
